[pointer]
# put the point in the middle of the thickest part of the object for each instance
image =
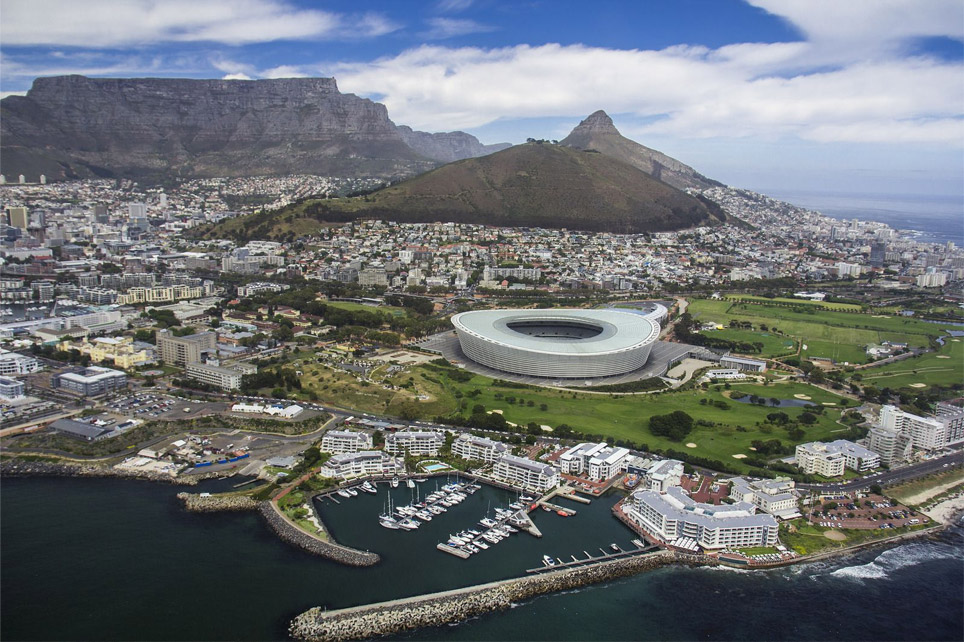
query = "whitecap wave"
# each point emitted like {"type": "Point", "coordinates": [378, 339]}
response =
{"type": "Point", "coordinates": [895, 559]}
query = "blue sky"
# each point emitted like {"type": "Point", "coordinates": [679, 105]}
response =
{"type": "Point", "coordinates": [774, 95]}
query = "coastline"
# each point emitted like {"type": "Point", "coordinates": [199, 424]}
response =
{"type": "Point", "coordinates": [64, 468]}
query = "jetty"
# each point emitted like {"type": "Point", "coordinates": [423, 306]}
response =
{"type": "Point", "coordinates": [594, 559]}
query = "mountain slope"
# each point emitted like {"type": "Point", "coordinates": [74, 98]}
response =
{"type": "Point", "coordinates": [447, 147]}
{"type": "Point", "coordinates": [597, 132]}
{"type": "Point", "coordinates": [524, 186]}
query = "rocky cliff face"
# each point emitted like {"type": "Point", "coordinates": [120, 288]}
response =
{"type": "Point", "coordinates": [72, 126]}
{"type": "Point", "coordinates": [598, 133]}
{"type": "Point", "coordinates": [447, 147]}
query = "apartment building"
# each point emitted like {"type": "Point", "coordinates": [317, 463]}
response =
{"type": "Point", "coordinates": [346, 441]}
{"type": "Point", "coordinates": [478, 448]}
{"type": "Point", "coordinates": [417, 442]}
{"type": "Point", "coordinates": [526, 473]}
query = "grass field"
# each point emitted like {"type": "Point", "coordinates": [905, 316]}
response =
{"type": "Point", "coordinates": [351, 305]}
{"type": "Point", "coordinates": [944, 367]}
{"type": "Point", "coordinates": [817, 304]}
{"type": "Point", "coordinates": [773, 345]}
{"type": "Point", "coordinates": [835, 334]}
{"type": "Point", "coordinates": [616, 416]}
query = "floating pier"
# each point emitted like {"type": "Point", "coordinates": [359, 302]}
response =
{"type": "Point", "coordinates": [590, 559]}
{"type": "Point", "coordinates": [451, 550]}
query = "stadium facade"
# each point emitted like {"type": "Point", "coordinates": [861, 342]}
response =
{"type": "Point", "coordinates": [560, 344]}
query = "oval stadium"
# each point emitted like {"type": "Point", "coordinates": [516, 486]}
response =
{"type": "Point", "coordinates": [570, 344]}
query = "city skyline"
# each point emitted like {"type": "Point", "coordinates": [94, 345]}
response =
{"type": "Point", "coordinates": [775, 96]}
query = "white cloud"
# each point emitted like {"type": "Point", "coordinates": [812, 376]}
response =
{"type": "Point", "coordinates": [453, 6]}
{"type": "Point", "coordinates": [104, 23]}
{"type": "Point", "coordinates": [752, 89]}
{"type": "Point", "coordinates": [442, 28]}
{"type": "Point", "coordinates": [236, 77]}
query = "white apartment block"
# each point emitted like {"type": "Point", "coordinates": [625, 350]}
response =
{"type": "Point", "coordinates": [928, 433]}
{"type": "Point", "coordinates": [223, 378]}
{"type": "Point", "coordinates": [770, 495]}
{"type": "Point", "coordinates": [674, 515]}
{"type": "Point", "coordinates": [12, 363]}
{"type": "Point", "coordinates": [345, 441]}
{"type": "Point", "coordinates": [953, 418]}
{"type": "Point", "coordinates": [366, 462]}
{"type": "Point", "coordinates": [664, 474]}
{"type": "Point", "coordinates": [893, 446]}
{"type": "Point", "coordinates": [478, 448]}
{"type": "Point", "coordinates": [597, 461]}
{"type": "Point", "coordinates": [417, 442]}
{"type": "Point", "coordinates": [525, 473]}
{"type": "Point", "coordinates": [818, 454]}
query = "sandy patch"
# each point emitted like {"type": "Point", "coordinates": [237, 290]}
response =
{"type": "Point", "coordinates": [946, 509]}
{"type": "Point", "coordinates": [497, 412]}
{"type": "Point", "coordinates": [739, 456]}
{"type": "Point", "coordinates": [881, 316]}
{"type": "Point", "coordinates": [829, 403]}
{"type": "Point", "coordinates": [924, 495]}
{"type": "Point", "coordinates": [943, 356]}
{"type": "Point", "coordinates": [836, 536]}
{"type": "Point", "coordinates": [545, 428]}
{"type": "Point", "coordinates": [956, 340]}
{"type": "Point", "coordinates": [691, 445]}
{"type": "Point", "coordinates": [804, 397]}
{"type": "Point", "coordinates": [918, 385]}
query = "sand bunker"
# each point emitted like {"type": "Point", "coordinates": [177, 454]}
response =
{"type": "Point", "coordinates": [836, 536]}
{"type": "Point", "coordinates": [804, 397]}
{"type": "Point", "coordinates": [828, 403]}
{"type": "Point", "coordinates": [691, 445]}
{"type": "Point", "coordinates": [545, 428]}
{"type": "Point", "coordinates": [918, 385]}
{"type": "Point", "coordinates": [739, 456]}
{"type": "Point", "coordinates": [943, 356]}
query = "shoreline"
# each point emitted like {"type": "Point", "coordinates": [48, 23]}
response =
{"type": "Point", "coordinates": [65, 468]}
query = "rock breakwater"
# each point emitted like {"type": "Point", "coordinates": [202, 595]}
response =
{"type": "Point", "coordinates": [438, 609]}
{"type": "Point", "coordinates": [293, 535]}
{"type": "Point", "coordinates": [21, 468]}
{"type": "Point", "coordinates": [216, 503]}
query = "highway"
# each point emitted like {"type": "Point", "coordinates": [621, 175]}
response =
{"type": "Point", "coordinates": [888, 477]}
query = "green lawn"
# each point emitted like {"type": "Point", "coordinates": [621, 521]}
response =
{"type": "Point", "coordinates": [817, 304]}
{"type": "Point", "coordinates": [944, 367]}
{"type": "Point", "coordinates": [351, 305]}
{"type": "Point", "coordinates": [835, 334]}
{"type": "Point", "coordinates": [773, 345]}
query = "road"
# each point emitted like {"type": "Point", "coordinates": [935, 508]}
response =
{"type": "Point", "coordinates": [896, 476]}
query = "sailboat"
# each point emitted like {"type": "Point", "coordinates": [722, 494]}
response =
{"type": "Point", "coordinates": [386, 519]}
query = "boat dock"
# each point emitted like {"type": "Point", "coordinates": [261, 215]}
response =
{"type": "Point", "coordinates": [559, 509]}
{"type": "Point", "coordinates": [593, 559]}
{"type": "Point", "coordinates": [451, 550]}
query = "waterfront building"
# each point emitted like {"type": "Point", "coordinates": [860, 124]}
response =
{"type": "Point", "coordinates": [772, 496]}
{"type": "Point", "coordinates": [366, 462]}
{"type": "Point", "coordinates": [80, 430]}
{"type": "Point", "coordinates": [673, 515]}
{"type": "Point", "coordinates": [416, 442]}
{"type": "Point", "coordinates": [469, 446]}
{"type": "Point", "coordinates": [181, 351]}
{"type": "Point", "coordinates": [893, 446]}
{"type": "Point", "coordinates": [345, 441]}
{"type": "Point", "coordinates": [597, 461]}
{"type": "Point", "coordinates": [925, 433]}
{"type": "Point", "coordinates": [526, 473]}
{"type": "Point", "coordinates": [662, 475]}
{"type": "Point", "coordinates": [953, 419]}
{"type": "Point", "coordinates": [92, 381]}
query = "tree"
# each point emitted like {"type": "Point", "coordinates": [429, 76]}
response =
{"type": "Point", "coordinates": [876, 489]}
{"type": "Point", "coordinates": [807, 418]}
{"type": "Point", "coordinates": [673, 426]}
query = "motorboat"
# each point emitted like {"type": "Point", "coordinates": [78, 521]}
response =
{"type": "Point", "coordinates": [548, 561]}
{"type": "Point", "coordinates": [352, 492]}
{"type": "Point", "coordinates": [408, 523]}
{"type": "Point", "coordinates": [481, 544]}
{"type": "Point", "coordinates": [394, 482]}
{"type": "Point", "coordinates": [389, 522]}
{"type": "Point", "coordinates": [410, 483]}
{"type": "Point", "coordinates": [344, 493]}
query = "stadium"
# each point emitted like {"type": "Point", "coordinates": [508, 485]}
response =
{"type": "Point", "coordinates": [562, 344]}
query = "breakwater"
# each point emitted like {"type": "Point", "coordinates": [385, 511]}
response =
{"type": "Point", "coordinates": [196, 503]}
{"type": "Point", "coordinates": [293, 535]}
{"type": "Point", "coordinates": [438, 609]}
{"type": "Point", "coordinates": [21, 468]}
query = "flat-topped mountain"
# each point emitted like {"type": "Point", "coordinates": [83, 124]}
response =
{"type": "Point", "coordinates": [78, 127]}
{"type": "Point", "coordinates": [531, 185]}
{"type": "Point", "coordinates": [447, 147]}
{"type": "Point", "coordinates": [597, 132]}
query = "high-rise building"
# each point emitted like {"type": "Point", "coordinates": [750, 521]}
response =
{"type": "Point", "coordinates": [181, 351]}
{"type": "Point", "coordinates": [18, 217]}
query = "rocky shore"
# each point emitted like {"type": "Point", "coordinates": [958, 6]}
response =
{"type": "Point", "coordinates": [438, 609]}
{"type": "Point", "coordinates": [216, 503]}
{"type": "Point", "coordinates": [293, 535]}
{"type": "Point", "coordinates": [20, 468]}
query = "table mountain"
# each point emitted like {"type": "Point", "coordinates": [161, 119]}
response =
{"type": "Point", "coordinates": [78, 127]}
{"type": "Point", "coordinates": [597, 132]}
{"type": "Point", "coordinates": [447, 147]}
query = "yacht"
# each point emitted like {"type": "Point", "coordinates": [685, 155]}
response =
{"type": "Point", "coordinates": [394, 482]}
{"type": "Point", "coordinates": [548, 561]}
{"type": "Point", "coordinates": [388, 522]}
{"type": "Point", "coordinates": [481, 544]}
{"type": "Point", "coordinates": [472, 549]}
{"type": "Point", "coordinates": [410, 483]}
{"type": "Point", "coordinates": [488, 523]}
{"type": "Point", "coordinates": [424, 515]}
{"type": "Point", "coordinates": [367, 488]}
{"type": "Point", "coordinates": [408, 523]}
{"type": "Point", "coordinates": [343, 493]}
{"type": "Point", "coordinates": [352, 492]}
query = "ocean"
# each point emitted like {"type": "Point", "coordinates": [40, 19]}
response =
{"type": "Point", "coordinates": [106, 559]}
{"type": "Point", "coordinates": [932, 218]}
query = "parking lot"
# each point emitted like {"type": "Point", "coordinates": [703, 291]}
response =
{"type": "Point", "coordinates": [157, 406]}
{"type": "Point", "coordinates": [864, 513]}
